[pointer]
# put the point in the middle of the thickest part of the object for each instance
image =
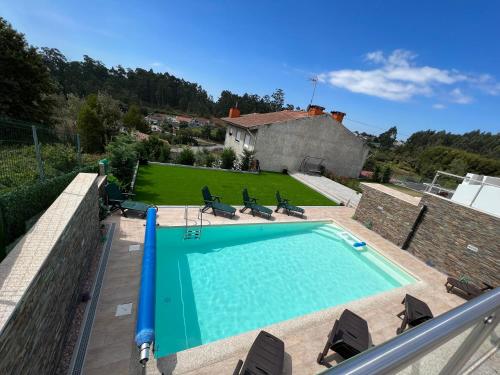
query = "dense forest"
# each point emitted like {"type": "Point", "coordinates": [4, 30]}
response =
{"type": "Point", "coordinates": [147, 88]}
{"type": "Point", "coordinates": [32, 75]}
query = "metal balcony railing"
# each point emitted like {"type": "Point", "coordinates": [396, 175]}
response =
{"type": "Point", "coordinates": [455, 342]}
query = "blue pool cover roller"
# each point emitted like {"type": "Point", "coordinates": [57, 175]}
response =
{"type": "Point", "coordinates": [145, 330]}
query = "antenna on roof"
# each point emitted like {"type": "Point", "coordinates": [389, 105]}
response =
{"type": "Point", "coordinates": [314, 80]}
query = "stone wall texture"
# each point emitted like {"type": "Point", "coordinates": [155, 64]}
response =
{"type": "Point", "coordinates": [443, 235]}
{"type": "Point", "coordinates": [385, 214]}
{"type": "Point", "coordinates": [44, 274]}
{"type": "Point", "coordinates": [446, 230]}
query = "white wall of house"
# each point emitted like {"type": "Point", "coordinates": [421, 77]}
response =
{"type": "Point", "coordinates": [284, 145]}
{"type": "Point", "coordinates": [239, 139]}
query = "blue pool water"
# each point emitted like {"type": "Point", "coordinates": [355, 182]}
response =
{"type": "Point", "coordinates": [238, 278]}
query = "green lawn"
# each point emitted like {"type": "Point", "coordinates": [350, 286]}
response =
{"type": "Point", "coordinates": [168, 185]}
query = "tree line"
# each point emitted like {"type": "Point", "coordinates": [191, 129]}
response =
{"type": "Point", "coordinates": [32, 78]}
{"type": "Point", "coordinates": [425, 152]}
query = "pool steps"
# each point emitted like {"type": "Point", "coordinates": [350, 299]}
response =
{"type": "Point", "coordinates": [371, 256]}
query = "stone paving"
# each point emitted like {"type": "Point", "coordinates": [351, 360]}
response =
{"type": "Point", "coordinates": [330, 189]}
{"type": "Point", "coordinates": [111, 349]}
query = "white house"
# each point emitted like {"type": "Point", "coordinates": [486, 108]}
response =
{"type": "Point", "coordinates": [283, 140]}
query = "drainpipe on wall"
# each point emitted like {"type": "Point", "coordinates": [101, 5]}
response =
{"type": "Point", "coordinates": [414, 227]}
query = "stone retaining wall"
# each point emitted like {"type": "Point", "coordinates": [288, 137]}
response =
{"type": "Point", "coordinates": [456, 239]}
{"type": "Point", "coordinates": [448, 229]}
{"type": "Point", "coordinates": [41, 277]}
{"type": "Point", "coordinates": [386, 214]}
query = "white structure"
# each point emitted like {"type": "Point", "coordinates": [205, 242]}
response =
{"type": "Point", "coordinates": [291, 139]}
{"type": "Point", "coordinates": [481, 192]}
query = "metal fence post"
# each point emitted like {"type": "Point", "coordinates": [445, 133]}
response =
{"type": "Point", "coordinates": [38, 154]}
{"type": "Point", "coordinates": [78, 151]}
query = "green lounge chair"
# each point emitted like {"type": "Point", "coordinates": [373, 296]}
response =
{"type": "Point", "coordinates": [251, 203]}
{"type": "Point", "coordinates": [213, 202]}
{"type": "Point", "coordinates": [119, 200]}
{"type": "Point", "coordinates": [287, 207]}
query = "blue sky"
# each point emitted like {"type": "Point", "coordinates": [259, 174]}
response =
{"type": "Point", "coordinates": [417, 65]}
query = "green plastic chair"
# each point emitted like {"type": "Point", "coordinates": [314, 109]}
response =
{"type": "Point", "coordinates": [119, 200]}
{"type": "Point", "coordinates": [286, 206]}
{"type": "Point", "coordinates": [251, 203]}
{"type": "Point", "coordinates": [213, 202]}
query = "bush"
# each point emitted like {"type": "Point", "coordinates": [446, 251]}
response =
{"type": "Point", "coordinates": [61, 157]}
{"type": "Point", "coordinates": [376, 173]}
{"type": "Point", "coordinates": [186, 156]}
{"type": "Point", "coordinates": [228, 158]}
{"type": "Point", "coordinates": [210, 160]}
{"type": "Point", "coordinates": [205, 159]}
{"type": "Point", "coordinates": [246, 159]}
{"type": "Point", "coordinates": [123, 157]}
{"type": "Point", "coordinates": [153, 149]}
{"type": "Point", "coordinates": [386, 174]}
{"type": "Point", "coordinates": [21, 204]}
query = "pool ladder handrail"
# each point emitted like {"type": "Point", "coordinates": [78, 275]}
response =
{"type": "Point", "coordinates": [190, 234]}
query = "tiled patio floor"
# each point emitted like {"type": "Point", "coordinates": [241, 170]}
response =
{"type": "Point", "coordinates": [111, 349]}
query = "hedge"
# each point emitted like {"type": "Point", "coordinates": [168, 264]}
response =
{"type": "Point", "coordinates": [20, 205]}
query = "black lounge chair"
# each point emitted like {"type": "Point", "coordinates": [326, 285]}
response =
{"type": "Point", "coordinates": [470, 289]}
{"type": "Point", "coordinates": [348, 337]}
{"type": "Point", "coordinates": [286, 206]}
{"type": "Point", "coordinates": [119, 200]}
{"type": "Point", "coordinates": [213, 202]}
{"type": "Point", "coordinates": [416, 312]}
{"type": "Point", "coordinates": [266, 357]}
{"type": "Point", "coordinates": [251, 203]}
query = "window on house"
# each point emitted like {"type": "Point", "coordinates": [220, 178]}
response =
{"type": "Point", "coordinates": [230, 130]}
{"type": "Point", "coordinates": [246, 142]}
{"type": "Point", "coordinates": [238, 135]}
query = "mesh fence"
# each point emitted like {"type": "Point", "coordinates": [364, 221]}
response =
{"type": "Point", "coordinates": [31, 153]}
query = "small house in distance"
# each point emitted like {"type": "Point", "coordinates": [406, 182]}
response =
{"type": "Point", "coordinates": [289, 139]}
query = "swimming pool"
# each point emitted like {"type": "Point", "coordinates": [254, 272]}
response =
{"type": "Point", "coordinates": [237, 278]}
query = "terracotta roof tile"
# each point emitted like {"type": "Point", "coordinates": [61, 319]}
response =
{"type": "Point", "coordinates": [257, 119]}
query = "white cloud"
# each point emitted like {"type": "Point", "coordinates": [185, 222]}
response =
{"type": "Point", "coordinates": [156, 64]}
{"type": "Point", "coordinates": [457, 96]}
{"type": "Point", "coordinates": [438, 106]}
{"type": "Point", "coordinates": [399, 78]}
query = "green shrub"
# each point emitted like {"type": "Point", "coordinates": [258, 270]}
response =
{"type": "Point", "coordinates": [153, 149]}
{"type": "Point", "coordinates": [246, 159]}
{"type": "Point", "coordinates": [377, 171]}
{"type": "Point", "coordinates": [123, 157]}
{"type": "Point", "coordinates": [21, 204]}
{"type": "Point", "coordinates": [210, 160]}
{"type": "Point", "coordinates": [61, 157]}
{"type": "Point", "coordinates": [386, 174]}
{"type": "Point", "coordinates": [228, 157]}
{"type": "Point", "coordinates": [186, 156]}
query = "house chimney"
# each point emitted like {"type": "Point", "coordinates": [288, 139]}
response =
{"type": "Point", "coordinates": [314, 110]}
{"type": "Point", "coordinates": [234, 112]}
{"type": "Point", "coordinates": [338, 116]}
